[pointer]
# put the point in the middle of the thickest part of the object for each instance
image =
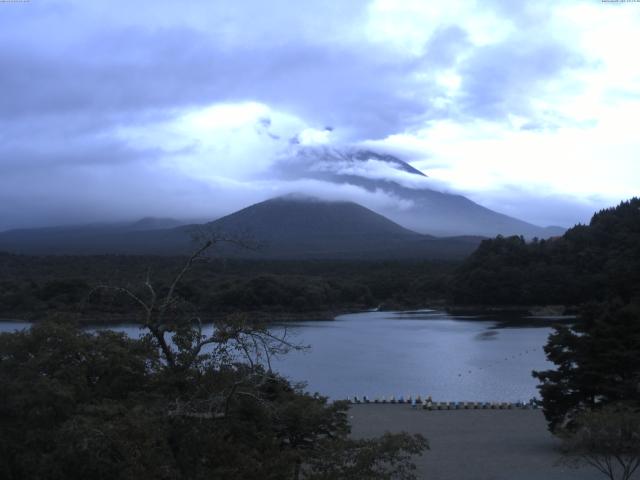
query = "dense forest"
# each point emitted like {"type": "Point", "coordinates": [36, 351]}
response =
{"type": "Point", "coordinates": [597, 374]}
{"type": "Point", "coordinates": [34, 287]}
{"type": "Point", "coordinates": [588, 263]}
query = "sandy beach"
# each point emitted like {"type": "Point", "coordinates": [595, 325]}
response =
{"type": "Point", "coordinates": [474, 444]}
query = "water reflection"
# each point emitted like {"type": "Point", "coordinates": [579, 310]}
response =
{"type": "Point", "coordinates": [420, 352]}
{"type": "Point", "coordinates": [426, 352]}
{"type": "Point", "coordinates": [489, 335]}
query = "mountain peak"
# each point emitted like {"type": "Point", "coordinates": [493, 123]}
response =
{"type": "Point", "coordinates": [344, 161]}
{"type": "Point", "coordinates": [414, 200]}
{"type": "Point", "coordinates": [300, 226]}
{"type": "Point", "coordinates": [296, 214]}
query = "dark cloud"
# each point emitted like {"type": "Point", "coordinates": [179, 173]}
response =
{"type": "Point", "coordinates": [112, 70]}
{"type": "Point", "coordinates": [106, 152]}
{"type": "Point", "coordinates": [52, 196]}
{"type": "Point", "coordinates": [75, 73]}
{"type": "Point", "coordinates": [503, 79]}
{"type": "Point", "coordinates": [116, 70]}
{"type": "Point", "coordinates": [445, 46]}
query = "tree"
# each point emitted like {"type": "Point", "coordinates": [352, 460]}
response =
{"type": "Point", "coordinates": [608, 439]}
{"type": "Point", "coordinates": [178, 403]}
{"type": "Point", "coordinates": [598, 362]}
{"type": "Point", "coordinates": [595, 262]}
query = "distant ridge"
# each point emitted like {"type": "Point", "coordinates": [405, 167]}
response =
{"type": "Point", "coordinates": [296, 226]}
{"type": "Point", "coordinates": [147, 235]}
{"type": "Point", "coordinates": [155, 223]}
{"type": "Point", "coordinates": [292, 227]}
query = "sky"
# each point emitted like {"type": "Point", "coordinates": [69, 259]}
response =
{"type": "Point", "coordinates": [113, 110]}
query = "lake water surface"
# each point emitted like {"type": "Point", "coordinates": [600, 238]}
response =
{"type": "Point", "coordinates": [426, 352]}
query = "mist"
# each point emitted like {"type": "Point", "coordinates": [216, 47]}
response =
{"type": "Point", "coordinates": [196, 111]}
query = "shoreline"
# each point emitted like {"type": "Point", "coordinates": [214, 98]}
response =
{"type": "Point", "coordinates": [96, 319]}
{"type": "Point", "coordinates": [125, 319]}
{"type": "Point", "coordinates": [533, 310]}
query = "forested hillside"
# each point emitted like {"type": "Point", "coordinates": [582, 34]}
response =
{"type": "Point", "coordinates": [33, 287]}
{"type": "Point", "coordinates": [589, 262]}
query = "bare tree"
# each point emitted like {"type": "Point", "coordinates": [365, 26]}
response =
{"type": "Point", "coordinates": [176, 329]}
{"type": "Point", "coordinates": [608, 439]}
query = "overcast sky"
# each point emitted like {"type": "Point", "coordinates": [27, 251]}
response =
{"type": "Point", "coordinates": [114, 110]}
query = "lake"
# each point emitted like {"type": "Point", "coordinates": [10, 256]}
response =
{"type": "Point", "coordinates": [425, 352]}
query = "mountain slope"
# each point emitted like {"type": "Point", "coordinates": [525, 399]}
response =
{"type": "Point", "coordinates": [286, 227]}
{"type": "Point", "coordinates": [295, 215]}
{"type": "Point", "coordinates": [296, 227]}
{"type": "Point", "coordinates": [421, 206]}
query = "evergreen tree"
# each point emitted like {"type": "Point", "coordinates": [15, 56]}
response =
{"type": "Point", "coordinates": [597, 360]}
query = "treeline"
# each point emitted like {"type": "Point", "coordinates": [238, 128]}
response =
{"type": "Point", "coordinates": [593, 390]}
{"type": "Point", "coordinates": [35, 287]}
{"type": "Point", "coordinates": [588, 263]}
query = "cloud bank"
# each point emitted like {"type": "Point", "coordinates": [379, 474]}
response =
{"type": "Point", "coordinates": [113, 110]}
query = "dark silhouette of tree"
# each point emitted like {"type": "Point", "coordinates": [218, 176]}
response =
{"type": "Point", "coordinates": [607, 439]}
{"type": "Point", "coordinates": [592, 262]}
{"type": "Point", "coordinates": [179, 403]}
{"type": "Point", "coordinates": [597, 363]}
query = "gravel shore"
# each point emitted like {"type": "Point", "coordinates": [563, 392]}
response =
{"type": "Point", "coordinates": [474, 444]}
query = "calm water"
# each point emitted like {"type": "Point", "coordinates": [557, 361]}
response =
{"type": "Point", "coordinates": [400, 353]}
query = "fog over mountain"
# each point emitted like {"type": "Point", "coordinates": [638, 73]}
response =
{"type": "Point", "coordinates": [378, 181]}
{"type": "Point", "coordinates": [414, 200]}
{"type": "Point", "coordinates": [290, 227]}
{"type": "Point", "coordinates": [198, 109]}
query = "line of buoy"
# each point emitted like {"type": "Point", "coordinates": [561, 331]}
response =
{"type": "Point", "coordinates": [427, 403]}
{"type": "Point", "coordinates": [499, 362]}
